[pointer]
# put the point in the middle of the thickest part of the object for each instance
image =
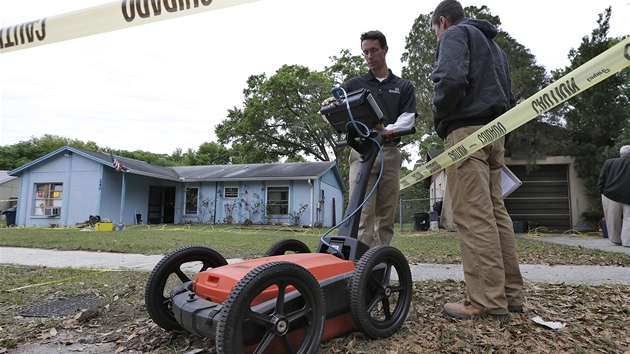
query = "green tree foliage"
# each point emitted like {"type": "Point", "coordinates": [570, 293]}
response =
{"type": "Point", "coordinates": [178, 157]}
{"type": "Point", "coordinates": [51, 143]}
{"type": "Point", "coordinates": [13, 156]}
{"type": "Point", "coordinates": [208, 154]}
{"type": "Point", "coordinates": [419, 56]}
{"type": "Point", "coordinates": [345, 67]}
{"type": "Point", "coordinates": [16, 155]}
{"type": "Point", "coordinates": [597, 120]}
{"type": "Point", "coordinates": [149, 157]}
{"type": "Point", "coordinates": [280, 118]}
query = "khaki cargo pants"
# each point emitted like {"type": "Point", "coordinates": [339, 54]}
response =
{"type": "Point", "coordinates": [485, 230]}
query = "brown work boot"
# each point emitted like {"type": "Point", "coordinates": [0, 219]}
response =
{"type": "Point", "coordinates": [465, 311]}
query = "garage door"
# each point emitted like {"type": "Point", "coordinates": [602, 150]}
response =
{"type": "Point", "coordinates": [543, 198]}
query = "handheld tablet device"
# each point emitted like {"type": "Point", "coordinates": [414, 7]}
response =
{"type": "Point", "coordinates": [362, 105]}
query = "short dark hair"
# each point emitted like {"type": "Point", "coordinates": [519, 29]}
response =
{"type": "Point", "coordinates": [452, 10]}
{"type": "Point", "coordinates": [374, 35]}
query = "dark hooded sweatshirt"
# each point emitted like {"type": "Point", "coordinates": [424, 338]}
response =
{"type": "Point", "coordinates": [614, 180]}
{"type": "Point", "coordinates": [472, 81]}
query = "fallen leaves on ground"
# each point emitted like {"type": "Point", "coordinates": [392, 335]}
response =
{"type": "Point", "coordinates": [596, 319]}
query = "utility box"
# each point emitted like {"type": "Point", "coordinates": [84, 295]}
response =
{"type": "Point", "coordinates": [421, 221]}
{"type": "Point", "coordinates": [104, 226]}
{"type": "Point", "coordinates": [10, 214]}
{"type": "Point", "coordinates": [520, 227]}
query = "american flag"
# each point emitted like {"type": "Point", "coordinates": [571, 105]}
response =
{"type": "Point", "coordinates": [117, 165]}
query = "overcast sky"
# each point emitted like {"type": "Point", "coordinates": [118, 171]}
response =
{"type": "Point", "coordinates": [166, 85]}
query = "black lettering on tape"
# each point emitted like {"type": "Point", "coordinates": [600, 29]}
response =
{"type": "Point", "coordinates": [145, 10]}
{"type": "Point", "coordinates": [560, 94]}
{"type": "Point", "coordinates": [459, 152]}
{"type": "Point", "coordinates": [42, 35]}
{"type": "Point", "coordinates": [23, 33]}
{"type": "Point", "coordinates": [598, 74]}
{"type": "Point", "coordinates": [434, 166]}
{"type": "Point", "coordinates": [492, 133]}
{"type": "Point", "coordinates": [626, 51]}
{"type": "Point", "coordinates": [545, 101]}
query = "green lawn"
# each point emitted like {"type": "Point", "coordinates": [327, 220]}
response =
{"type": "Point", "coordinates": [252, 241]}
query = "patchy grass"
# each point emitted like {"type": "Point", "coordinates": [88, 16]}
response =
{"type": "Point", "coordinates": [25, 287]}
{"type": "Point", "coordinates": [251, 242]}
{"type": "Point", "coordinates": [596, 319]}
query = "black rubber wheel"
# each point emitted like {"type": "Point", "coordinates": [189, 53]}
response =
{"type": "Point", "coordinates": [380, 291]}
{"type": "Point", "coordinates": [174, 269]}
{"type": "Point", "coordinates": [293, 322]}
{"type": "Point", "coordinates": [287, 246]}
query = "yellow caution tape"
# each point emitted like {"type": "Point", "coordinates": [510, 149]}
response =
{"type": "Point", "coordinates": [60, 280]}
{"type": "Point", "coordinates": [103, 18]}
{"type": "Point", "coordinates": [593, 72]}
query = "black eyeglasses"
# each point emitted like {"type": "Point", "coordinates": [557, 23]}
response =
{"type": "Point", "coordinates": [372, 51]}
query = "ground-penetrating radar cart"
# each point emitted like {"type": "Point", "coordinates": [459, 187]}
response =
{"type": "Point", "coordinates": [291, 299]}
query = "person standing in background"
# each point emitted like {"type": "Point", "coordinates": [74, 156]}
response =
{"type": "Point", "coordinates": [614, 186]}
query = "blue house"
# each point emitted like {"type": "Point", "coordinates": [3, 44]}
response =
{"type": "Point", "coordinates": [68, 186]}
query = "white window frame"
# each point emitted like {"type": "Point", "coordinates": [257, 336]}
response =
{"type": "Point", "coordinates": [188, 211]}
{"type": "Point", "coordinates": [230, 192]}
{"type": "Point", "coordinates": [46, 196]}
{"type": "Point", "coordinates": [285, 206]}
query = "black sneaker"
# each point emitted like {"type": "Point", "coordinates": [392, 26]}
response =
{"type": "Point", "coordinates": [515, 308]}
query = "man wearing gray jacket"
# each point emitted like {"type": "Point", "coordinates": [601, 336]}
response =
{"type": "Point", "coordinates": [473, 87]}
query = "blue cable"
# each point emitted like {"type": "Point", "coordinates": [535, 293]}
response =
{"type": "Point", "coordinates": [378, 179]}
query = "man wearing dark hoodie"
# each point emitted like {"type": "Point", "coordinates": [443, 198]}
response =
{"type": "Point", "coordinates": [473, 87]}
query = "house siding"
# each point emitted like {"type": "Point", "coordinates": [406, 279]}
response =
{"type": "Point", "coordinates": [136, 196]}
{"type": "Point", "coordinates": [109, 202]}
{"type": "Point", "coordinates": [9, 191]}
{"type": "Point", "coordinates": [330, 205]}
{"type": "Point", "coordinates": [81, 190]}
{"type": "Point", "coordinates": [92, 187]}
{"type": "Point", "coordinates": [300, 194]}
{"type": "Point", "coordinates": [75, 174]}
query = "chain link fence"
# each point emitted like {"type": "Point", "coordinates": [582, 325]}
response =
{"type": "Point", "coordinates": [408, 207]}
